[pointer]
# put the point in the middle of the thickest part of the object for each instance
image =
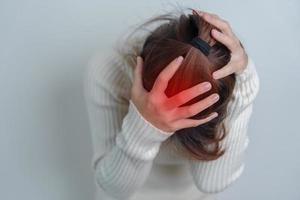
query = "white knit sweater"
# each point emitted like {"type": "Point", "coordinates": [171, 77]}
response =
{"type": "Point", "coordinates": [131, 160]}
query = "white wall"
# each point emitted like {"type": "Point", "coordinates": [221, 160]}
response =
{"type": "Point", "coordinates": [45, 146]}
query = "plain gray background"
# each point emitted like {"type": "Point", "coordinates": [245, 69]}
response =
{"type": "Point", "coordinates": [45, 146]}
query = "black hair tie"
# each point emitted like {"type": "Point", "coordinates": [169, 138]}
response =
{"type": "Point", "coordinates": [201, 45]}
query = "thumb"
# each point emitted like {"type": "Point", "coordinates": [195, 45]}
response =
{"type": "Point", "coordinates": [138, 82]}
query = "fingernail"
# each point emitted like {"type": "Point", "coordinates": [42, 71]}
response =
{"type": "Point", "coordinates": [216, 32]}
{"type": "Point", "coordinates": [207, 85]}
{"type": "Point", "coordinates": [215, 75]}
{"type": "Point", "coordinates": [215, 114]}
{"type": "Point", "coordinates": [179, 59]}
{"type": "Point", "coordinates": [215, 97]}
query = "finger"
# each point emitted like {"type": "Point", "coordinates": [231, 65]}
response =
{"type": "Point", "coordinates": [198, 12]}
{"type": "Point", "coordinates": [228, 41]}
{"type": "Point", "coordinates": [188, 94]}
{"type": "Point", "coordinates": [186, 123]}
{"type": "Point", "coordinates": [224, 71]}
{"type": "Point", "coordinates": [165, 75]}
{"type": "Point", "coordinates": [216, 21]}
{"type": "Point", "coordinates": [137, 80]}
{"type": "Point", "coordinates": [191, 110]}
{"type": "Point", "coordinates": [202, 13]}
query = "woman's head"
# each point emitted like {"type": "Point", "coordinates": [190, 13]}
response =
{"type": "Point", "coordinates": [170, 40]}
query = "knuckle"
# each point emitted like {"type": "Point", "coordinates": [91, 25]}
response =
{"type": "Point", "coordinates": [206, 103]}
{"type": "Point", "coordinates": [197, 123]}
{"type": "Point", "coordinates": [151, 100]}
{"type": "Point", "coordinates": [235, 44]}
{"type": "Point", "coordinates": [226, 25]}
{"type": "Point", "coordinates": [161, 78]}
{"type": "Point", "coordinates": [232, 43]}
{"type": "Point", "coordinates": [200, 106]}
{"type": "Point", "coordinates": [180, 98]}
{"type": "Point", "coordinates": [209, 101]}
{"type": "Point", "coordinates": [191, 110]}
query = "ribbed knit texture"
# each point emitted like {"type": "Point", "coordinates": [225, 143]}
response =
{"type": "Point", "coordinates": [126, 146]}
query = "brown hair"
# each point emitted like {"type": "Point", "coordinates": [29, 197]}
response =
{"type": "Point", "coordinates": [170, 40]}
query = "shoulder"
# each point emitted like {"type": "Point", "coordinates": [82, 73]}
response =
{"type": "Point", "coordinates": [107, 74]}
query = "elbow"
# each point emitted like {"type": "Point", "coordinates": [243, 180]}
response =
{"type": "Point", "coordinates": [255, 87]}
{"type": "Point", "coordinates": [211, 189]}
{"type": "Point", "coordinates": [113, 190]}
{"type": "Point", "coordinates": [220, 184]}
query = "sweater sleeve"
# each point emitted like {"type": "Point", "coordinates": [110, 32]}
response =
{"type": "Point", "coordinates": [215, 176]}
{"type": "Point", "coordinates": [124, 143]}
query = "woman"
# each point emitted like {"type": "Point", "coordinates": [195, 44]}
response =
{"type": "Point", "coordinates": [158, 131]}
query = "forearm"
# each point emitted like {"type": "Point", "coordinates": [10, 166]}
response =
{"type": "Point", "coordinates": [245, 90]}
{"type": "Point", "coordinates": [120, 175]}
{"type": "Point", "coordinates": [214, 176]}
{"type": "Point", "coordinates": [127, 165]}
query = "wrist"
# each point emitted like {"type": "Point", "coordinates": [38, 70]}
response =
{"type": "Point", "coordinates": [241, 71]}
{"type": "Point", "coordinates": [139, 138]}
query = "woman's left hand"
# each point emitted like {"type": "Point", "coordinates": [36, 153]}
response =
{"type": "Point", "coordinates": [239, 57]}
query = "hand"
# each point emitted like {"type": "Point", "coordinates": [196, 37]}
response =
{"type": "Point", "coordinates": [239, 58]}
{"type": "Point", "coordinates": [163, 112]}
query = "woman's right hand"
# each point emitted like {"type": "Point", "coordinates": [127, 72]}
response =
{"type": "Point", "coordinates": [163, 112]}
